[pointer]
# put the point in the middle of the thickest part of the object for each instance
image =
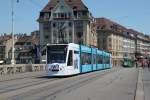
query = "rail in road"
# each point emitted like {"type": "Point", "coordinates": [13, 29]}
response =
{"type": "Point", "coordinates": [45, 88]}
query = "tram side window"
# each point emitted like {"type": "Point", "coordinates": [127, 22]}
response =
{"type": "Point", "coordinates": [104, 59]}
{"type": "Point", "coordinates": [107, 60]}
{"type": "Point", "coordinates": [99, 59]}
{"type": "Point", "coordinates": [85, 58]}
{"type": "Point", "coordinates": [70, 58]}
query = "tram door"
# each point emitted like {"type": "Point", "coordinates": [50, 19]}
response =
{"type": "Point", "coordinates": [76, 60]}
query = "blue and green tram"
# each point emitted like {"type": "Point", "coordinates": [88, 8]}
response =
{"type": "Point", "coordinates": [128, 62]}
{"type": "Point", "coordinates": [71, 59]}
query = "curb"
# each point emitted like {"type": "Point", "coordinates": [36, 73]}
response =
{"type": "Point", "coordinates": [140, 88]}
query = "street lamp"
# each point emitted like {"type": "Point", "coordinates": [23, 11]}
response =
{"type": "Point", "coordinates": [12, 15]}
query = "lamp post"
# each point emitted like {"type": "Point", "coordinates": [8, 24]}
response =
{"type": "Point", "coordinates": [12, 15]}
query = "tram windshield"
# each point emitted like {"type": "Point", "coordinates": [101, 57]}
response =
{"type": "Point", "coordinates": [56, 54]}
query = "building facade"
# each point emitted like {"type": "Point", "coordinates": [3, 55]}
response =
{"type": "Point", "coordinates": [110, 39]}
{"type": "Point", "coordinates": [25, 48]}
{"type": "Point", "coordinates": [129, 45]}
{"type": "Point", "coordinates": [66, 21]}
{"type": "Point", "coordinates": [2, 50]}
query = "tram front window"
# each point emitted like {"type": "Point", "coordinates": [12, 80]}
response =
{"type": "Point", "coordinates": [56, 54]}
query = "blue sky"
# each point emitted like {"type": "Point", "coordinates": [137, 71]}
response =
{"type": "Point", "coordinates": [133, 14]}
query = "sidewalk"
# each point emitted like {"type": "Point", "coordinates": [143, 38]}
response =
{"type": "Point", "coordinates": [146, 83]}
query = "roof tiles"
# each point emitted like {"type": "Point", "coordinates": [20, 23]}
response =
{"type": "Point", "coordinates": [75, 4]}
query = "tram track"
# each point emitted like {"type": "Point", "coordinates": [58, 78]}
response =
{"type": "Point", "coordinates": [75, 85]}
{"type": "Point", "coordinates": [62, 85]}
{"type": "Point", "coordinates": [23, 85]}
{"type": "Point", "coordinates": [21, 76]}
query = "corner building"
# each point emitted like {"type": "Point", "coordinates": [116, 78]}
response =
{"type": "Point", "coordinates": [66, 21]}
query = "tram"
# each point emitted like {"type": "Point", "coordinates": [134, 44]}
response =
{"type": "Point", "coordinates": [71, 59]}
{"type": "Point", "coordinates": [128, 62]}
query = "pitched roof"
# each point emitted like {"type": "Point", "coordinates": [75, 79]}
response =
{"type": "Point", "coordinates": [106, 22]}
{"type": "Point", "coordinates": [75, 4]}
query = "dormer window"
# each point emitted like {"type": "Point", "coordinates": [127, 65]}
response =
{"type": "Point", "coordinates": [98, 27]}
{"type": "Point", "coordinates": [46, 15]}
{"type": "Point", "coordinates": [50, 8]}
{"type": "Point", "coordinates": [111, 27]}
{"type": "Point", "coordinates": [64, 15]}
{"type": "Point", "coordinates": [75, 7]}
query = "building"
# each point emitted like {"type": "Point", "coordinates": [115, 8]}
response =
{"type": "Point", "coordinates": [121, 42]}
{"type": "Point", "coordinates": [25, 48]}
{"type": "Point", "coordinates": [129, 45]}
{"type": "Point", "coordinates": [110, 38]}
{"type": "Point", "coordinates": [4, 46]}
{"type": "Point", "coordinates": [142, 45]}
{"type": "Point", "coordinates": [66, 21]}
{"type": "Point", "coordinates": [2, 50]}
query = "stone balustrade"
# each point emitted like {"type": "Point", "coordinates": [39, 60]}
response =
{"type": "Point", "coordinates": [20, 68]}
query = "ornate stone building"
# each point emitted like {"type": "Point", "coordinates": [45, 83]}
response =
{"type": "Point", "coordinates": [66, 21]}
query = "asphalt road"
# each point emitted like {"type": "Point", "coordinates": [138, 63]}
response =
{"type": "Point", "coordinates": [114, 84]}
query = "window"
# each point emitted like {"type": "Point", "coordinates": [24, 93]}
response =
{"type": "Point", "coordinates": [46, 37]}
{"type": "Point", "coordinates": [70, 24]}
{"type": "Point", "coordinates": [70, 33]}
{"type": "Point", "coordinates": [110, 40]}
{"type": "Point", "coordinates": [50, 8]}
{"type": "Point", "coordinates": [46, 26]}
{"type": "Point", "coordinates": [98, 27]}
{"type": "Point", "coordinates": [107, 60]}
{"type": "Point", "coordinates": [59, 15]}
{"type": "Point", "coordinates": [62, 7]}
{"type": "Point", "coordinates": [76, 52]}
{"type": "Point", "coordinates": [84, 13]}
{"type": "Point", "coordinates": [54, 15]}
{"type": "Point", "coordinates": [99, 59]}
{"type": "Point", "coordinates": [56, 54]}
{"type": "Point", "coordinates": [103, 27]}
{"type": "Point", "coordinates": [54, 25]}
{"type": "Point", "coordinates": [85, 58]}
{"type": "Point", "coordinates": [74, 7]}
{"type": "Point", "coordinates": [46, 15]}
{"type": "Point", "coordinates": [79, 34]}
{"type": "Point", "coordinates": [70, 58]}
{"type": "Point", "coordinates": [62, 15]}
{"type": "Point", "coordinates": [69, 15]}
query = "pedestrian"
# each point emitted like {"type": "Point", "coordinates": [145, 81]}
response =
{"type": "Point", "coordinates": [136, 62]}
{"type": "Point", "coordinates": [143, 64]}
{"type": "Point", "coordinates": [149, 65]}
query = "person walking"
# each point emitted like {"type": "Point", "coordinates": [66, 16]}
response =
{"type": "Point", "coordinates": [148, 64]}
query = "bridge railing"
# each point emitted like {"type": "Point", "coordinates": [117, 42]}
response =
{"type": "Point", "coordinates": [20, 68]}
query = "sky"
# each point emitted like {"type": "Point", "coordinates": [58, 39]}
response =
{"type": "Point", "coordinates": [133, 14]}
